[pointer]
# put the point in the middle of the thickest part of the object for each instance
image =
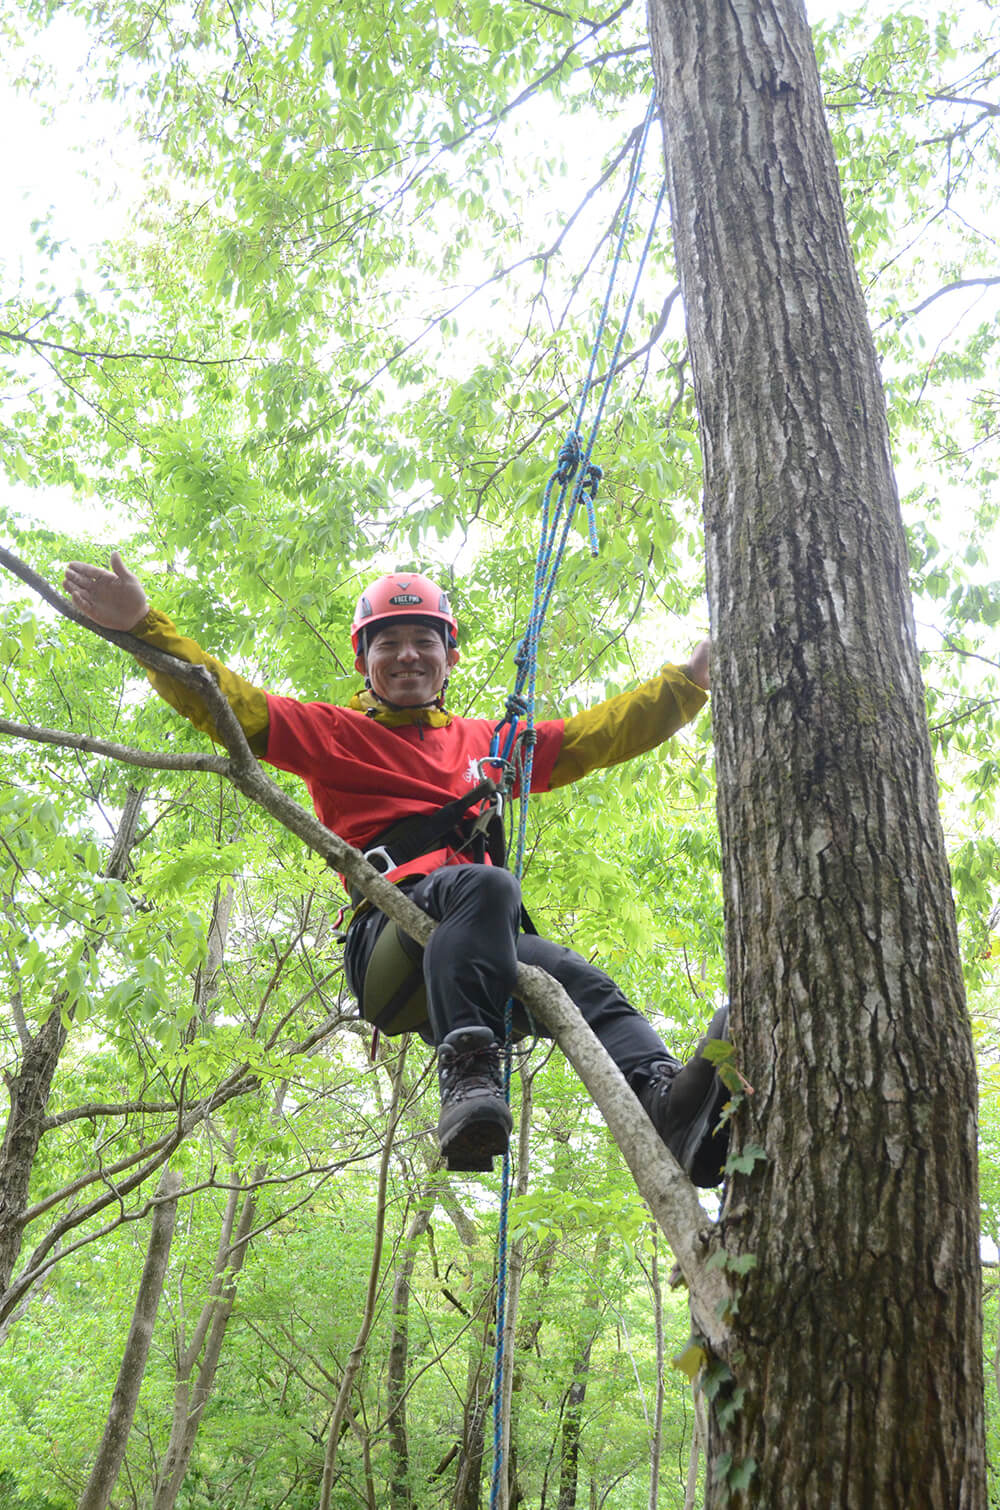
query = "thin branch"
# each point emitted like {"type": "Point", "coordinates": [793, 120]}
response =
{"type": "Point", "coordinates": [238, 1083]}
{"type": "Point", "coordinates": [958, 718]}
{"type": "Point", "coordinates": [948, 288]}
{"type": "Point", "coordinates": [986, 106]}
{"type": "Point", "coordinates": [93, 355]}
{"type": "Point", "coordinates": [561, 15]}
{"type": "Point", "coordinates": [570, 403]}
{"type": "Point", "coordinates": [240, 37]}
{"type": "Point", "coordinates": [91, 404]}
{"type": "Point", "coordinates": [293, 608]}
{"type": "Point", "coordinates": [94, 1109]}
{"type": "Point", "coordinates": [972, 655]}
{"type": "Point", "coordinates": [151, 760]}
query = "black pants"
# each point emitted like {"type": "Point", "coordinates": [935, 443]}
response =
{"type": "Point", "coordinates": [471, 960]}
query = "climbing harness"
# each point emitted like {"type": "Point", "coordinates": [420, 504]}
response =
{"type": "Point", "coordinates": [448, 827]}
{"type": "Point", "coordinates": [512, 746]}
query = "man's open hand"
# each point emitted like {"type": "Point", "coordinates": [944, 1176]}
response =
{"type": "Point", "coordinates": [114, 599]}
{"type": "Point", "coordinates": [697, 667]}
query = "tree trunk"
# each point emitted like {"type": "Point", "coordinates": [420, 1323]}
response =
{"type": "Point", "coordinates": [29, 1096]}
{"type": "Point", "coordinates": [210, 1333]}
{"type": "Point", "coordinates": [133, 1366]}
{"type": "Point", "coordinates": [507, 1492]}
{"type": "Point", "coordinates": [210, 1329]}
{"type": "Point", "coordinates": [656, 1443]}
{"type": "Point", "coordinates": [466, 1494]}
{"type": "Point", "coordinates": [854, 1373]}
{"type": "Point", "coordinates": [699, 1433]}
{"type": "Point", "coordinates": [357, 1352]}
{"type": "Point", "coordinates": [572, 1420]}
{"type": "Point", "coordinates": [29, 1089]}
{"type": "Point", "coordinates": [468, 1482]}
{"type": "Point", "coordinates": [400, 1497]}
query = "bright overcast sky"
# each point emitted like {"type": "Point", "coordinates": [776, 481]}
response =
{"type": "Point", "coordinates": [79, 165]}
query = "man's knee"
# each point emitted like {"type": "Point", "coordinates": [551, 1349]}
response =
{"type": "Point", "coordinates": [481, 889]}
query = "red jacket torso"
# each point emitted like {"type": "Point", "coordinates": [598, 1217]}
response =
{"type": "Point", "coordinates": [364, 776]}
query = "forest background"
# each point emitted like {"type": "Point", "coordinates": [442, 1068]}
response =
{"type": "Point", "coordinates": [344, 330]}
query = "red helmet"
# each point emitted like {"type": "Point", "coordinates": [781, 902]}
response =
{"type": "Point", "coordinates": [403, 595]}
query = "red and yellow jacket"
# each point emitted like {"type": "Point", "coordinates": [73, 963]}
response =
{"type": "Point", "coordinates": [368, 766]}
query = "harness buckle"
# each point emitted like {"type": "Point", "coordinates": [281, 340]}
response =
{"type": "Point", "coordinates": [492, 808]}
{"type": "Point", "coordinates": [380, 859]}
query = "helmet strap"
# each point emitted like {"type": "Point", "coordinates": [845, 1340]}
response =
{"type": "Point", "coordinates": [385, 702]}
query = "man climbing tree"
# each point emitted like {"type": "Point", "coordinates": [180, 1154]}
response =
{"type": "Point", "coordinates": [400, 778]}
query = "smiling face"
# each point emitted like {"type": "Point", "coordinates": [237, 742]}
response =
{"type": "Point", "coordinates": [407, 664]}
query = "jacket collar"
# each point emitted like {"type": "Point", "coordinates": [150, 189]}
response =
{"type": "Point", "coordinates": [366, 702]}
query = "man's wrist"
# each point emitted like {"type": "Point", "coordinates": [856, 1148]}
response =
{"type": "Point", "coordinates": [688, 670]}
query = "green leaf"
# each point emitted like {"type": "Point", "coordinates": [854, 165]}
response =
{"type": "Point", "coordinates": [741, 1476]}
{"type": "Point", "coordinates": [742, 1160]}
{"type": "Point", "coordinates": [690, 1360]}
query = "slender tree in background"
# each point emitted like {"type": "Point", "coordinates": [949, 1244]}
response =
{"type": "Point", "coordinates": [104, 1474]}
{"type": "Point", "coordinates": [853, 1375]}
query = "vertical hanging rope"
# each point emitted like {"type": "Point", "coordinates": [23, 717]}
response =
{"type": "Point", "coordinates": [573, 462]}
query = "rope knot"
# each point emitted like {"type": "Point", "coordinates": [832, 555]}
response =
{"type": "Point", "coordinates": [569, 457]}
{"type": "Point", "coordinates": [591, 478]}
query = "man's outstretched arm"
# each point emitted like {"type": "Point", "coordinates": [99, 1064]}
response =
{"type": "Point", "coordinates": [116, 599]}
{"type": "Point", "coordinates": [634, 722]}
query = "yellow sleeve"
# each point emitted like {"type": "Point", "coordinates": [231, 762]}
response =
{"type": "Point", "coordinates": [627, 725]}
{"type": "Point", "coordinates": [248, 702]}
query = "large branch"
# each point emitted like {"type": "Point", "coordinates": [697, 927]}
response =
{"type": "Point", "coordinates": [658, 1177]}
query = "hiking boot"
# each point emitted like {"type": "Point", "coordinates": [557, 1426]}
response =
{"type": "Point", "coordinates": [684, 1104]}
{"type": "Point", "coordinates": [475, 1119]}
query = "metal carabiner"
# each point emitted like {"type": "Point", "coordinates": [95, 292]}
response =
{"type": "Point", "coordinates": [506, 769]}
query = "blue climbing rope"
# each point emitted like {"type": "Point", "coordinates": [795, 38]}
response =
{"type": "Point", "coordinates": [575, 476]}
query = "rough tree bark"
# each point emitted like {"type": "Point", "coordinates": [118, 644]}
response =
{"type": "Point", "coordinates": [855, 1353]}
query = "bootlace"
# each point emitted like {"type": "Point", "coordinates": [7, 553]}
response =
{"type": "Point", "coordinates": [464, 1070]}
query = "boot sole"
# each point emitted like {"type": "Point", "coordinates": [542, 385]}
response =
{"type": "Point", "coordinates": [706, 1172]}
{"type": "Point", "coordinates": [692, 1156]}
{"type": "Point", "coordinates": [472, 1147]}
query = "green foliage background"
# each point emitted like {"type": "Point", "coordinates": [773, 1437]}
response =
{"type": "Point", "coordinates": [346, 331]}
